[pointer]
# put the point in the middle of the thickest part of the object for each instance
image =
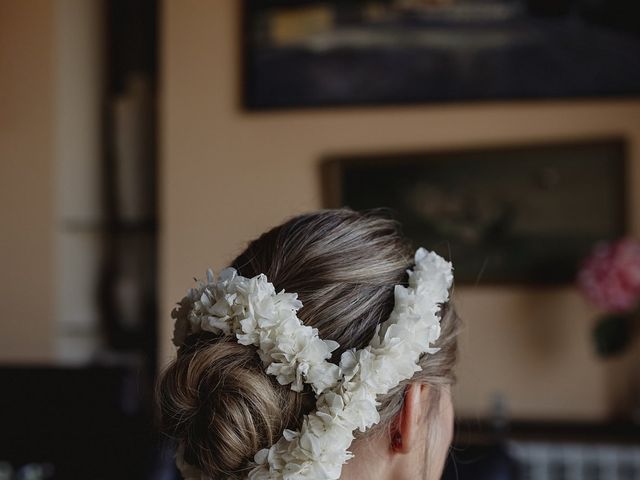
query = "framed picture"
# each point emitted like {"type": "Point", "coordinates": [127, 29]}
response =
{"type": "Point", "coordinates": [524, 214]}
{"type": "Point", "coordinates": [311, 53]}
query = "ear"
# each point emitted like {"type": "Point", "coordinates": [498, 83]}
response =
{"type": "Point", "coordinates": [407, 425]}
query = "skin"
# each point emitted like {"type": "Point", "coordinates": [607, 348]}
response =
{"type": "Point", "coordinates": [416, 447]}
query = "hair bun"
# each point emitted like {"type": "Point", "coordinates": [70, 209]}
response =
{"type": "Point", "coordinates": [218, 402]}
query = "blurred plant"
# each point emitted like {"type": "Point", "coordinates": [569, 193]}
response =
{"type": "Point", "coordinates": [609, 278]}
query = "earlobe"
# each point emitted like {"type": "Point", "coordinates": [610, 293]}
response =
{"type": "Point", "coordinates": [405, 428]}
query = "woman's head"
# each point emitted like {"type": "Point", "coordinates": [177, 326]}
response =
{"type": "Point", "coordinates": [216, 398]}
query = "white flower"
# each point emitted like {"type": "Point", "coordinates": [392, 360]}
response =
{"type": "Point", "coordinates": [292, 352]}
{"type": "Point", "coordinates": [250, 309]}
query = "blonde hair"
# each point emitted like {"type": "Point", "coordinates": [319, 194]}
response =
{"type": "Point", "coordinates": [216, 399]}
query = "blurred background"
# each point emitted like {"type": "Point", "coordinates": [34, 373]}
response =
{"type": "Point", "coordinates": [143, 141]}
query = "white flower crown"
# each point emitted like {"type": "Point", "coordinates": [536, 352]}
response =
{"type": "Point", "coordinates": [250, 309]}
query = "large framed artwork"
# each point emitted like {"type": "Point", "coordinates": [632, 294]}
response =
{"type": "Point", "coordinates": [523, 214]}
{"type": "Point", "coordinates": [311, 53]}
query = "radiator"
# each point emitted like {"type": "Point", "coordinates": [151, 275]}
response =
{"type": "Point", "coordinates": [571, 461]}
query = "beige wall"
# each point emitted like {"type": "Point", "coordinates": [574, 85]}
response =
{"type": "Point", "coordinates": [228, 175]}
{"type": "Point", "coordinates": [50, 143]}
{"type": "Point", "coordinates": [26, 186]}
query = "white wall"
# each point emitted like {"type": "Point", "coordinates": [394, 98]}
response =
{"type": "Point", "coordinates": [79, 98]}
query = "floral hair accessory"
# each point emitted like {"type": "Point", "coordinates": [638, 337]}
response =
{"type": "Point", "coordinates": [250, 309]}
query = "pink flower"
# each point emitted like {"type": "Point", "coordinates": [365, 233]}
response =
{"type": "Point", "coordinates": [610, 276]}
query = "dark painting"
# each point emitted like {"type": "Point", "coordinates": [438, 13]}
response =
{"type": "Point", "coordinates": [313, 53]}
{"type": "Point", "coordinates": [524, 214]}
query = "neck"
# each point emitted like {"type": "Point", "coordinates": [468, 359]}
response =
{"type": "Point", "coordinates": [369, 461]}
